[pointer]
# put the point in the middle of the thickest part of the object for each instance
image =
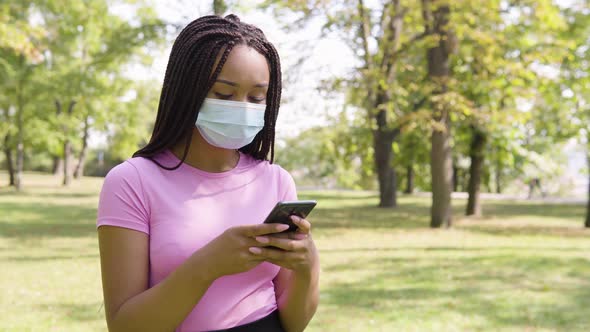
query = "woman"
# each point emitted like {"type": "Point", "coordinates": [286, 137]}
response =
{"type": "Point", "coordinates": [181, 238]}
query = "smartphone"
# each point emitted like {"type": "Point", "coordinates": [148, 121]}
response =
{"type": "Point", "coordinates": [283, 211]}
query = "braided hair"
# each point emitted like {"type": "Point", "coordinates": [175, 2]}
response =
{"type": "Point", "coordinates": [188, 80]}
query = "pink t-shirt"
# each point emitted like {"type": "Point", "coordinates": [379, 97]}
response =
{"type": "Point", "coordinates": [184, 209]}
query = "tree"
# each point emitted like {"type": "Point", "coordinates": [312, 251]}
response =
{"type": "Point", "coordinates": [383, 44]}
{"type": "Point", "coordinates": [575, 83]}
{"type": "Point", "coordinates": [219, 7]}
{"type": "Point", "coordinates": [79, 58]}
{"type": "Point", "coordinates": [495, 67]}
{"type": "Point", "coordinates": [20, 51]}
{"type": "Point", "coordinates": [436, 20]}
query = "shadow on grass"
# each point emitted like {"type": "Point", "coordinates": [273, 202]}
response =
{"type": "Point", "coordinates": [412, 212]}
{"type": "Point", "coordinates": [28, 193]}
{"type": "Point", "coordinates": [46, 258]}
{"type": "Point", "coordinates": [347, 196]}
{"type": "Point", "coordinates": [75, 311]}
{"type": "Point", "coordinates": [411, 216]}
{"type": "Point", "coordinates": [507, 291]}
{"type": "Point", "coordinates": [334, 211]}
{"type": "Point", "coordinates": [66, 194]}
{"type": "Point", "coordinates": [508, 209]}
{"type": "Point", "coordinates": [405, 217]}
{"type": "Point", "coordinates": [26, 220]}
{"type": "Point", "coordinates": [533, 230]}
{"type": "Point", "coordinates": [453, 249]}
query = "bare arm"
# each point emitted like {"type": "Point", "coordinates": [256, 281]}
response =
{"type": "Point", "coordinates": [129, 304]}
{"type": "Point", "coordinates": [299, 300]}
{"type": "Point", "coordinates": [297, 283]}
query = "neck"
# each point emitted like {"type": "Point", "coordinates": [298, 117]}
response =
{"type": "Point", "coordinates": [207, 157]}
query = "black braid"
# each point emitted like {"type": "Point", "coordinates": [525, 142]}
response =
{"type": "Point", "coordinates": [190, 75]}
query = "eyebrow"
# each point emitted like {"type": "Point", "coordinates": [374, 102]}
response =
{"type": "Point", "coordinates": [259, 85]}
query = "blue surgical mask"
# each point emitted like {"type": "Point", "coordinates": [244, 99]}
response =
{"type": "Point", "coordinates": [230, 124]}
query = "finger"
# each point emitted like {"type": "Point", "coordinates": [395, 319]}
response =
{"type": "Point", "coordinates": [303, 226]}
{"type": "Point", "coordinates": [262, 229]}
{"type": "Point", "coordinates": [270, 253]}
{"type": "Point", "coordinates": [285, 244]}
{"type": "Point", "coordinates": [289, 235]}
{"type": "Point", "coordinates": [291, 262]}
{"type": "Point", "coordinates": [279, 263]}
{"type": "Point", "coordinates": [298, 236]}
{"type": "Point", "coordinates": [285, 235]}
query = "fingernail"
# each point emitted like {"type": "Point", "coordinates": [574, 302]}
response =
{"type": "Point", "coordinates": [299, 236]}
{"type": "Point", "coordinates": [295, 218]}
{"type": "Point", "coordinates": [262, 239]}
{"type": "Point", "coordinates": [282, 227]}
{"type": "Point", "coordinates": [255, 250]}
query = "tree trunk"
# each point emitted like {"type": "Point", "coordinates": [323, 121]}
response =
{"type": "Point", "coordinates": [9, 161]}
{"type": "Point", "coordinates": [455, 177]}
{"type": "Point", "coordinates": [67, 144]}
{"type": "Point", "coordinates": [441, 169]}
{"type": "Point", "coordinates": [79, 172]}
{"type": "Point", "coordinates": [68, 150]}
{"type": "Point", "coordinates": [409, 180]}
{"type": "Point", "coordinates": [58, 165]}
{"type": "Point", "coordinates": [58, 162]}
{"type": "Point", "coordinates": [378, 97]}
{"type": "Point", "coordinates": [383, 139]}
{"type": "Point", "coordinates": [487, 178]}
{"type": "Point", "coordinates": [67, 173]}
{"type": "Point", "coordinates": [438, 70]}
{"type": "Point", "coordinates": [20, 137]}
{"type": "Point", "coordinates": [476, 153]}
{"type": "Point", "coordinates": [498, 178]}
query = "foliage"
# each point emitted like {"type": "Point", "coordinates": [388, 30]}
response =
{"type": "Point", "coordinates": [63, 68]}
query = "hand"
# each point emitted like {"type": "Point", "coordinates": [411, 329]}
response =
{"type": "Point", "coordinates": [229, 252]}
{"type": "Point", "coordinates": [293, 250]}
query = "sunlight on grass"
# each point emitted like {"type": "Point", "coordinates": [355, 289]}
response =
{"type": "Point", "coordinates": [523, 267]}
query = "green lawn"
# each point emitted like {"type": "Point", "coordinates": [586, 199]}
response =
{"type": "Point", "coordinates": [525, 267]}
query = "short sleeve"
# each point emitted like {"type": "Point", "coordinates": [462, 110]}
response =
{"type": "Point", "coordinates": [287, 187]}
{"type": "Point", "coordinates": [122, 201]}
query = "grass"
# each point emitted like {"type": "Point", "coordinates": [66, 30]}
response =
{"type": "Point", "coordinates": [524, 267]}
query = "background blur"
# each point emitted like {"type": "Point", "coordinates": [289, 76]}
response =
{"type": "Point", "coordinates": [447, 142]}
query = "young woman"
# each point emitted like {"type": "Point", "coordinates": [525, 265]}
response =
{"type": "Point", "coordinates": [181, 238]}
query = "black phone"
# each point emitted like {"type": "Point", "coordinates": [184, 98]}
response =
{"type": "Point", "coordinates": [283, 211]}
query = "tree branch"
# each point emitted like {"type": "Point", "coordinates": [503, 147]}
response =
{"type": "Point", "coordinates": [409, 43]}
{"type": "Point", "coordinates": [365, 34]}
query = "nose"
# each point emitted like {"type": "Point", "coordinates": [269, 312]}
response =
{"type": "Point", "coordinates": [242, 97]}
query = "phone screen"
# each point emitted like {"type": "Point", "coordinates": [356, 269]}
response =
{"type": "Point", "coordinates": [283, 211]}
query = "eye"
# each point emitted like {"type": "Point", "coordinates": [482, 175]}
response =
{"type": "Point", "coordinates": [222, 96]}
{"type": "Point", "coordinates": [257, 100]}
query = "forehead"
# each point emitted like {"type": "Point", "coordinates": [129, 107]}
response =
{"type": "Point", "coordinates": [245, 65]}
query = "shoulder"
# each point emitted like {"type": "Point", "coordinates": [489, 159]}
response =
{"type": "Point", "coordinates": [282, 178]}
{"type": "Point", "coordinates": [133, 168]}
{"type": "Point", "coordinates": [123, 175]}
{"type": "Point", "coordinates": [124, 169]}
{"type": "Point", "coordinates": [283, 174]}
{"type": "Point", "coordinates": [130, 172]}
{"type": "Point", "coordinates": [274, 170]}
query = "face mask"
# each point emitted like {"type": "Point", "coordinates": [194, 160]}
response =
{"type": "Point", "coordinates": [230, 124]}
